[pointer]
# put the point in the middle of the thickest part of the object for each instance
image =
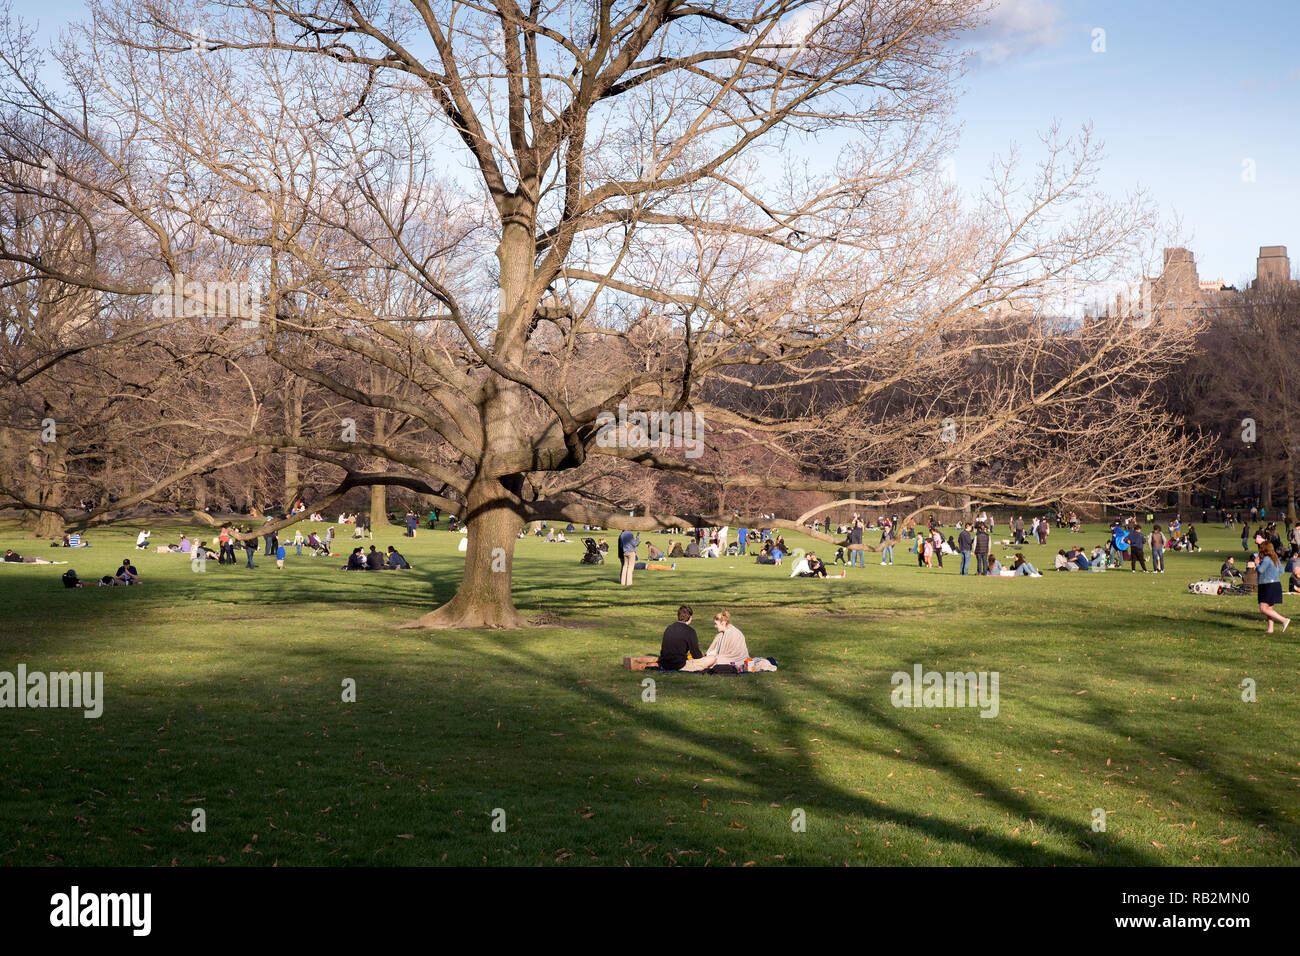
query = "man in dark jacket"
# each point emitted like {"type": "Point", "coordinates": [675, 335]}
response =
{"type": "Point", "coordinates": [374, 560]}
{"type": "Point", "coordinates": [857, 558]}
{"type": "Point", "coordinates": [981, 550]}
{"type": "Point", "coordinates": [965, 542]}
{"type": "Point", "coordinates": [1136, 542]}
{"type": "Point", "coordinates": [679, 639]}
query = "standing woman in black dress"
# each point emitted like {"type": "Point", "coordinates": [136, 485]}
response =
{"type": "Point", "coordinates": [1270, 585]}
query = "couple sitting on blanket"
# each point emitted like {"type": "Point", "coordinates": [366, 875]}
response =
{"type": "Point", "coordinates": [681, 645]}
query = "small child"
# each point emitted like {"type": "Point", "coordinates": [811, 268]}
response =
{"type": "Point", "coordinates": [279, 557]}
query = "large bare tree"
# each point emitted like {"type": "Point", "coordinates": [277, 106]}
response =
{"type": "Point", "coordinates": [495, 226]}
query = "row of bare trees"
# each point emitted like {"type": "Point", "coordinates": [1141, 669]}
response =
{"type": "Point", "coordinates": [474, 230]}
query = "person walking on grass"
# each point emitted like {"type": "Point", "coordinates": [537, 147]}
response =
{"type": "Point", "coordinates": [1137, 541]}
{"type": "Point", "coordinates": [887, 540]}
{"type": "Point", "coordinates": [250, 548]}
{"type": "Point", "coordinates": [1269, 591]}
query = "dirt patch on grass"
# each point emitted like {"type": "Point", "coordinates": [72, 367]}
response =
{"type": "Point", "coordinates": [551, 619]}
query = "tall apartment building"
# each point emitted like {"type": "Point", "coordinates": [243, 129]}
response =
{"type": "Point", "coordinates": [1178, 291]}
{"type": "Point", "coordinates": [1273, 267]}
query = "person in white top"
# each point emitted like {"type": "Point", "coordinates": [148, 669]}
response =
{"type": "Point", "coordinates": [142, 539]}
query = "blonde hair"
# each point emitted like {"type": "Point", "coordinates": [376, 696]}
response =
{"type": "Point", "coordinates": [723, 616]}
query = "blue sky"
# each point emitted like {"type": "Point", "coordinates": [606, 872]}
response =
{"type": "Point", "coordinates": [1183, 95]}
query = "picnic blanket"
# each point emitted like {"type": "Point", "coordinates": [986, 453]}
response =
{"type": "Point", "coordinates": [752, 665]}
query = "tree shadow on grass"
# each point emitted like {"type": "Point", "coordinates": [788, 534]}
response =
{"type": "Point", "coordinates": [740, 758]}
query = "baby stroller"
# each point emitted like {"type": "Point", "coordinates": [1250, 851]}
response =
{"type": "Point", "coordinates": [593, 555]}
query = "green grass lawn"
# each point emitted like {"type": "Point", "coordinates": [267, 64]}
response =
{"type": "Point", "coordinates": [223, 692]}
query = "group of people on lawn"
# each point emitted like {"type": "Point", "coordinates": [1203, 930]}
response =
{"type": "Point", "coordinates": [376, 560]}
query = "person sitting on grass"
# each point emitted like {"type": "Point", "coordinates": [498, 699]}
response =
{"type": "Point", "coordinates": [1023, 568]}
{"type": "Point", "coordinates": [680, 641]}
{"type": "Point", "coordinates": [728, 648]}
{"type": "Point", "coordinates": [1079, 558]}
{"type": "Point", "coordinates": [203, 552]}
{"type": "Point", "coordinates": [375, 560]}
{"type": "Point", "coordinates": [356, 561]}
{"type": "Point", "coordinates": [127, 574]}
{"type": "Point", "coordinates": [395, 560]}
{"type": "Point", "coordinates": [809, 566]}
{"type": "Point", "coordinates": [1228, 570]}
{"type": "Point", "coordinates": [653, 553]}
{"type": "Point", "coordinates": [142, 540]}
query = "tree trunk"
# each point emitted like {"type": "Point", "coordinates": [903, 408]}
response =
{"type": "Point", "coordinates": [379, 493]}
{"type": "Point", "coordinates": [293, 427]}
{"type": "Point", "coordinates": [47, 488]}
{"type": "Point", "coordinates": [483, 598]}
{"type": "Point", "coordinates": [1290, 491]}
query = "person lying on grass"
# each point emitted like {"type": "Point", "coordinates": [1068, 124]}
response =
{"type": "Point", "coordinates": [13, 557]}
{"type": "Point", "coordinates": [728, 647]}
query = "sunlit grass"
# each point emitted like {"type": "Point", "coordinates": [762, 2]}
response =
{"type": "Point", "coordinates": [1118, 692]}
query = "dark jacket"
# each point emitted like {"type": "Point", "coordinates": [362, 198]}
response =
{"type": "Point", "coordinates": [678, 639]}
{"type": "Point", "coordinates": [964, 541]}
{"type": "Point", "coordinates": [981, 542]}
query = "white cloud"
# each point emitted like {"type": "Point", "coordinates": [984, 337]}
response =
{"type": "Point", "coordinates": [1016, 28]}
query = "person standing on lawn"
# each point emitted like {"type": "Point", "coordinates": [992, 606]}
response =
{"type": "Point", "coordinates": [1157, 550]}
{"type": "Point", "coordinates": [627, 544]}
{"type": "Point", "coordinates": [857, 557]}
{"type": "Point", "coordinates": [981, 550]}
{"type": "Point", "coordinates": [1270, 586]}
{"type": "Point", "coordinates": [887, 540]}
{"type": "Point", "coordinates": [1136, 542]}
{"type": "Point", "coordinates": [965, 541]}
